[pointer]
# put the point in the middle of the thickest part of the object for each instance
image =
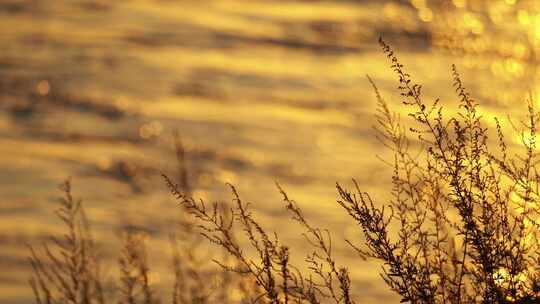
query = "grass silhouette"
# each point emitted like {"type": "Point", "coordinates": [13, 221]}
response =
{"type": "Point", "coordinates": [67, 268]}
{"type": "Point", "coordinates": [461, 225]}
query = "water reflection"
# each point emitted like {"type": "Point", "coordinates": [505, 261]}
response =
{"type": "Point", "coordinates": [259, 90]}
{"type": "Point", "coordinates": [505, 31]}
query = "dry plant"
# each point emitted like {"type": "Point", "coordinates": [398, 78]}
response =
{"type": "Point", "coordinates": [67, 269]}
{"type": "Point", "coordinates": [456, 191]}
{"type": "Point", "coordinates": [278, 279]}
{"type": "Point", "coordinates": [461, 225]}
{"type": "Point", "coordinates": [135, 279]}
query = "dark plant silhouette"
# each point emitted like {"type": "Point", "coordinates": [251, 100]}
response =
{"type": "Point", "coordinates": [279, 280]}
{"type": "Point", "coordinates": [133, 263]}
{"type": "Point", "coordinates": [460, 227]}
{"type": "Point", "coordinates": [67, 270]}
{"type": "Point", "coordinates": [461, 224]}
{"type": "Point", "coordinates": [456, 191]}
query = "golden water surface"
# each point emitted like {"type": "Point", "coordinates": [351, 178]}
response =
{"type": "Point", "coordinates": [260, 91]}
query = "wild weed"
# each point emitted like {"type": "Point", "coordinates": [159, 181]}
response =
{"type": "Point", "coordinates": [461, 225]}
{"type": "Point", "coordinates": [67, 270]}
{"type": "Point", "coordinates": [466, 217]}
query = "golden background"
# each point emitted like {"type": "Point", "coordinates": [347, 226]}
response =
{"type": "Point", "coordinates": [260, 91]}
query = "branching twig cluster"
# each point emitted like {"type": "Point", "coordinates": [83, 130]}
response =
{"type": "Point", "coordinates": [456, 191]}
{"type": "Point", "coordinates": [68, 269]}
{"type": "Point", "coordinates": [461, 226]}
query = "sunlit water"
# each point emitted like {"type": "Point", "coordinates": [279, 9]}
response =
{"type": "Point", "coordinates": [259, 91]}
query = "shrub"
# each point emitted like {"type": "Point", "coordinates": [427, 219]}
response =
{"type": "Point", "coordinates": [67, 269]}
{"type": "Point", "coordinates": [460, 227]}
